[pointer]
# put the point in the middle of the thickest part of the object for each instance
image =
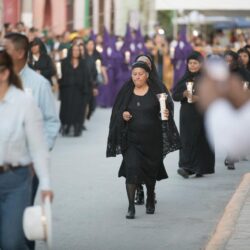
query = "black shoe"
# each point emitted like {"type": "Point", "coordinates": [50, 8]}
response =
{"type": "Point", "coordinates": [199, 175]}
{"type": "Point", "coordinates": [183, 173]}
{"type": "Point", "coordinates": [150, 208]}
{"type": "Point", "coordinates": [231, 166]}
{"type": "Point", "coordinates": [131, 212]}
{"type": "Point", "coordinates": [139, 197]}
{"type": "Point", "coordinates": [77, 130]}
{"type": "Point", "coordinates": [226, 162]}
{"type": "Point", "coordinates": [65, 130]}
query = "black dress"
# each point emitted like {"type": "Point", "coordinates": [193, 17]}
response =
{"type": "Point", "coordinates": [143, 158]}
{"type": "Point", "coordinates": [44, 65]}
{"type": "Point", "coordinates": [196, 155]}
{"type": "Point", "coordinates": [73, 92]}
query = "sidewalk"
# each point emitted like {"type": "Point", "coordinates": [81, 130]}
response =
{"type": "Point", "coordinates": [233, 230]}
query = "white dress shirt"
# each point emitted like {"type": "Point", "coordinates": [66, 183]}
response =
{"type": "Point", "coordinates": [22, 139]}
{"type": "Point", "coordinates": [228, 128]}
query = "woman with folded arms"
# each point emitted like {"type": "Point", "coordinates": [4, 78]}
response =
{"type": "Point", "coordinates": [22, 143]}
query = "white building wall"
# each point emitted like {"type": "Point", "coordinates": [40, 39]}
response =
{"type": "Point", "coordinates": [79, 13]}
{"type": "Point", "coordinates": [96, 16]}
{"type": "Point", "coordinates": [27, 12]}
{"type": "Point", "coordinates": [129, 11]}
{"type": "Point", "coordinates": [1, 15]}
{"type": "Point", "coordinates": [107, 14]}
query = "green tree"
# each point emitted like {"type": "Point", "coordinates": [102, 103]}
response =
{"type": "Point", "coordinates": [165, 21]}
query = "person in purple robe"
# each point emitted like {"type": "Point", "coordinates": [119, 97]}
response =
{"type": "Point", "coordinates": [124, 60]}
{"type": "Point", "coordinates": [181, 53]}
{"type": "Point", "coordinates": [140, 43]}
{"type": "Point", "coordinates": [107, 92]}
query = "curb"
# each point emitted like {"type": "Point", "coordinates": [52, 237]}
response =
{"type": "Point", "coordinates": [226, 225]}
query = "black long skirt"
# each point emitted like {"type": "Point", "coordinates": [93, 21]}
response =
{"type": "Point", "coordinates": [196, 156]}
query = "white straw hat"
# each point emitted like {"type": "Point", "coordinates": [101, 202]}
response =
{"type": "Point", "coordinates": [37, 223]}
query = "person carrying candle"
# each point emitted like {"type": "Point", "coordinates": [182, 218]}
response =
{"type": "Point", "coordinates": [196, 157]}
{"type": "Point", "coordinates": [139, 197]}
{"type": "Point", "coordinates": [137, 132]}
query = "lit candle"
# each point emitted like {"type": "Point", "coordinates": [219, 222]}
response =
{"type": "Point", "coordinates": [190, 90]}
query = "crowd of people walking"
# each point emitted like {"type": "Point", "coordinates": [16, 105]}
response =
{"type": "Point", "coordinates": [127, 74]}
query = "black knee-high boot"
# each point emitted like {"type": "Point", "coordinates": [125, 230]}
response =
{"type": "Point", "coordinates": [131, 197]}
{"type": "Point", "coordinates": [150, 203]}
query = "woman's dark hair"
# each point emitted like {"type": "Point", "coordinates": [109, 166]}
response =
{"type": "Point", "coordinates": [7, 63]}
{"type": "Point", "coordinates": [142, 65]}
{"type": "Point", "coordinates": [235, 59]}
{"type": "Point", "coordinates": [70, 52]}
{"type": "Point", "coordinates": [246, 51]}
{"type": "Point", "coordinates": [247, 47]}
{"type": "Point", "coordinates": [39, 42]}
{"type": "Point", "coordinates": [195, 55]}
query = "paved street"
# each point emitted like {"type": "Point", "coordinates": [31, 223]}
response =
{"type": "Point", "coordinates": [90, 201]}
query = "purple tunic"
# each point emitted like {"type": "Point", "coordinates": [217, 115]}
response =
{"type": "Point", "coordinates": [107, 93]}
{"type": "Point", "coordinates": [181, 53]}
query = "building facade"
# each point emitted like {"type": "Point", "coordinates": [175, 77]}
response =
{"type": "Point", "coordinates": [78, 14]}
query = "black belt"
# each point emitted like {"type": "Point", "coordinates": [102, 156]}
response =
{"type": "Point", "coordinates": [7, 167]}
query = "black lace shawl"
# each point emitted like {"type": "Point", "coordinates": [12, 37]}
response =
{"type": "Point", "coordinates": [117, 138]}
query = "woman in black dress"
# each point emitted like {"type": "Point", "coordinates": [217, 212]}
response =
{"type": "Point", "coordinates": [139, 197]}
{"type": "Point", "coordinates": [137, 132]}
{"type": "Point", "coordinates": [196, 157]}
{"type": "Point", "coordinates": [73, 91]}
{"type": "Point", "coordinates": [40, 61]}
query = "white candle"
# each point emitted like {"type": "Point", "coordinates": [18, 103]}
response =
{"type": "Point", "coordinates": [64, 53]}
{"type": "Point", "coordinates": [246, 85]}
{"type": "Point", "coordinates": [162, 99]}
{"type": "Point", "coordinates": [190, 90]}
{"type": "Point", "coordinates": [99, 48]}
{"type": "Point", "coordinates": [98, 65]}
{"type": "Point", "coordinates": [127, 56]}
{"type": "Point", "coordinates": [59, 70]}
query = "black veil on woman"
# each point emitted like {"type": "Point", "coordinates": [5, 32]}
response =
{"type": "Point", "coordinates": [164, 140]}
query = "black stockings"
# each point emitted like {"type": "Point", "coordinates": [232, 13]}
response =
{"type": "Point", "coordinates": [150, 194]}
{"type": "Point", "coordinates": [131, 193]}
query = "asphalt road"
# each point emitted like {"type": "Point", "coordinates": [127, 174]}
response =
{"type": "Point", "coordinates": [90, 201]}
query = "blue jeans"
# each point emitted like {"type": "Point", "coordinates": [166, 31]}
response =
{"type": "Point", "coordinates": [15, 196]}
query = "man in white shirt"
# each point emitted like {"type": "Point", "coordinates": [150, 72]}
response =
{"type": "Point", "coordinates": [22, 142]}
{"type": "Point", "coordinates": [17, 46]}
